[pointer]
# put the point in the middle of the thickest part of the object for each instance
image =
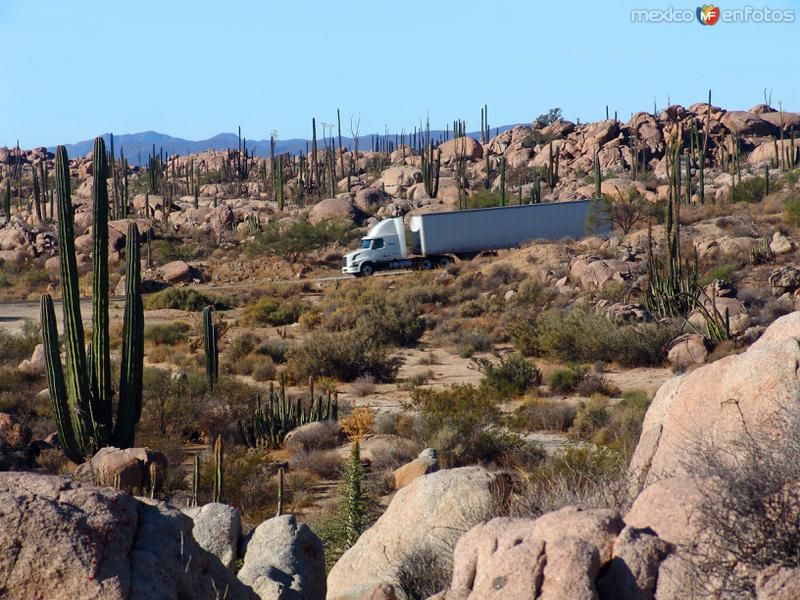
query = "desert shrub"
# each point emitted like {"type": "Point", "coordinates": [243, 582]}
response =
{"type": "Point", "coordinates": [326, 464]}
{"type": "Point", "coordinates": [342, 355]}
{"type": "Point", "coordinates": [171, 404]}
{"type": "Point", "coordinates": [593, 383]}
{"type": "Point", "coordinates": [500, 274]}
{"type": "Point", "coordinates": [299, 238]}
{"type": "Point", "coordinates": [509, 376]}
{"type": "Point", "coordinates": [791, 212]}
{"type": "Point", "coordinates": [159, 354]}
{"type": "Point", "coordinates": [271, 311]}
{"type": "Point", "coordinates": [229, 402]}
{"type": "Point", "coordinates": [583, 476]}
{"type": "Point", "coordinates": [168, 334]}
{"type": "Point", "coordinates": [391, 322]}
{"type": "Point", "coordinates": [17, 347]}
{"type": "Point", "coordinates": [542, 415]}
{"type": "Point", "coordinates": [748, 511]}
{"type": "Point", "coordinates": [457, 422]}
{"type": "Point", "coordinates": [185, 298]}
{"type": "Point", "coordinates": [363, 386]}
{"type": "Point", "coordinates": [623, 425]}
{"type": "Point", "coordinates": [564, 381]}
{"type": "Point", "coordinates": [725, 272]}
{"type": "Point", "coordinates": [239, 347]}
{"type": "Point", "coordinates": [591, 416]}
{"type": "Point", "coordinates": [750, 190]}
{"type": "Point", "coordinates": [387, 423]}
{"type": "Point", "coordinates": [275, 349]}
{"type": "Point", "coordinates": [250, 483]}
{"type": "Point", "coordinates": [466, 336]}
{"type": "Point", "coordinates": [424, 570]}
{"type": "Point", "coordinates": [585, 336]}
{"type": "Point", "coordinates": [484, 199]}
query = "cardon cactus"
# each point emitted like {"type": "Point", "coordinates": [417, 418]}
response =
{"type": "Point", "coordinates": [82, 396]}
{"type": "Point", "coordinates": [211, 349]}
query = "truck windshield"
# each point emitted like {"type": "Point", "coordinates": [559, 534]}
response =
{"type": "Point", "coordinates": [365, 244]}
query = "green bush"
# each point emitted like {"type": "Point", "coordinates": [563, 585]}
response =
{"type": "Point", "coordinates": [457, 421]}
{"type": "Point", "coordinates": [275, 349]}
{"type": "Point", "coordinates": [390, 322]}
{"type": "Point", "coordinates": [509, 376]}
{"type": "Point", "coordinates": [184, 298]}
{"type": "Point", "coordinates": [486, 199]}
{"type": "Point", "coordinates": [271, 311]}
{"type": "Point", "coordinates": [750, 190]}
{"type": "Point", "coordinates": [542, 415]}
{"type": "Point", "coordinates": [298, 238]}
{"type": "Point", "coordinates": [341, 355]}
{"type": "Point", "coordinates": [168, 334]}
{"type": "Point", "coordinates": [16, 347]}
{"type": "Point", "coordinates": [791, 212]}
{"type": "Point", "coordinates": [566, 380]}
{"type": "Point", "coordinates": [584, 336]}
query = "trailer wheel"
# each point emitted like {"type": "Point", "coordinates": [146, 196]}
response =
{"type": "Point", "coordinates": [426, 265]}
{"type": "Point", "coordinates": [445, 261]}
{"type": "Point", "coordinates": [366, 269]}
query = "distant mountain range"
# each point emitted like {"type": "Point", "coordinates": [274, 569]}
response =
{"type": "Point", "coordinates": [137, 146]}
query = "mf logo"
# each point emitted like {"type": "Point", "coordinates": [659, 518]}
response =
{"type": "Point", "coordinates": [708, 14]}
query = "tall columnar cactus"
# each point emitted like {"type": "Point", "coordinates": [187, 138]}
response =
{"type": "Point", "coordinates": [279, 183]}
{"type": "Point", "coordinates": [502, 181]}
{"type": "Point", "coordinates": [195, 479]}
{"type": "Point", "coordinates": [7, 199]}
{"type": "Point", "coordinates": [598, 178]}
{"type": "Point", "coordinates": [82, 398]}
{"type": "Point", "coordinates": [280, 492]}
{"type": "Point", "coordinates": [211, 349]}
{"type": "Point", "coordinates": [431, 166]}
{"type": "Point", "coordinates": [273, 419]}
{"type": "Point", "coordinates": [218, 470]}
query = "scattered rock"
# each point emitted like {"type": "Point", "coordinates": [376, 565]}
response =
{"type": "Point", "coordinates": [284, 561]}
{"type": "Point", "coordinates": [35, 364]}
{"type": "Point", "coordinates": [176, 271]}
{"type": "Point", "coordinates": [64, 540]}
{"type": "Point", "coordinates": [426, 462]}
{"type": "Point", "coordinates": [780, 244]}
{"type": "Point", "coordinates": [687, 350]}
{"type": "Point", "coordinates": [718, 402]}
{"type": "Point", "coordinates": [131, 465]}
{"type": "Point", "coordinates": [777, 582]}
{"type": "Point", "coordinates": [13, 434]}
{"type": "Point", "coordinates": [217, 529]}
{"type": "Point", "coordinates": [444, 502]}
{"type": "Point", "coordinates": [331, 208]}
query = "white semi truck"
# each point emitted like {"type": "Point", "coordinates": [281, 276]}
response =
{"type": "Point", "coordinates": [436, 239]}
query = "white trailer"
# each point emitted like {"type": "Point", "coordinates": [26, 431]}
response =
{"type": "Point", "coordinates": [437, 238]}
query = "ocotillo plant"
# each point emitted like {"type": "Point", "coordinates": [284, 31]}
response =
{"type": "Point", "coordinates": [82, 401]}
{"type": "Point", "coordinates": [216, 495]}
{"type": "Point", "coordinates": [211, 349]}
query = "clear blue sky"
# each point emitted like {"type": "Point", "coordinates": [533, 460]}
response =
{"type": "Point", "coordinates": [76, 68]}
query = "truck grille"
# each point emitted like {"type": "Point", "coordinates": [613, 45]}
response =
{"type": "Point", "coordinates": [344, 261]}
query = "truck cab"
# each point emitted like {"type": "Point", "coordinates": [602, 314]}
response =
{"type": "Point", "coordinates": [384, 247]}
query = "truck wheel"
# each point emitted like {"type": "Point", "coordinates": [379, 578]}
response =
{"type": "Point", "coordinates": [445, 261]}
{"type": "Point", "coordinates": [367, 269]}
{"type": "Point", "coordinates": [426, 265]}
